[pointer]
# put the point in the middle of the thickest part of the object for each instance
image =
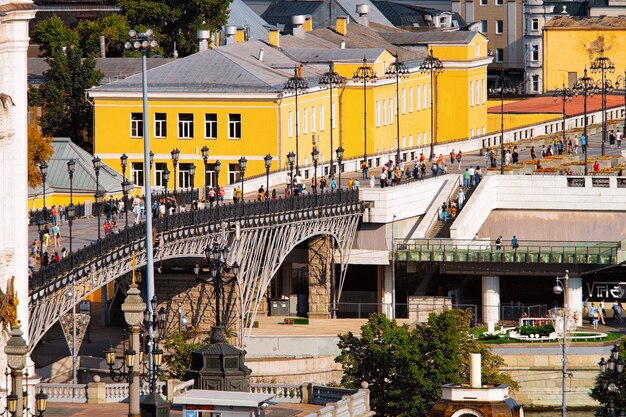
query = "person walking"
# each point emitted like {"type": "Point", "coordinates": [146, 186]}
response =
{"type": "Point", "coordinates": [601, 312]}
{"type": "Point", "coordinates": [459, 159]}
{"type": "Point", "coordinates": [499, 243]}
{"type": "Point", "coordinates": [461, 198]}
{"type": "Point", "coordinates": [56, 235]}
{"type": "Point", "coordinates": [45, 241]}
{"type": "Point", "coordinates": [514, 243]}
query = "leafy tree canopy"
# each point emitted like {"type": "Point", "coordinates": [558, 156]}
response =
{"type": "Point", "coordinates": [115, 30]}
{"type": "Point", "coordinates": [610, 387]}
{"type": "Point", "coordinates": [39, 150]}
{"type": "Point", "coordinates": [52, 35]}
{"type": "Point", "coordinates": [66, 111]}
{"type": "Point", "coordinates": [406, 368]}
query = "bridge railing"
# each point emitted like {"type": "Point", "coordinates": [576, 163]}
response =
{"type": "Point", "coordinates": [216, 214]}
{"type": "Point", "coordinates": [528, 251]}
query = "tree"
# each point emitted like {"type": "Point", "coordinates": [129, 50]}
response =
{"type": "Point", "coordinates": [39, 150]}
{"type": "Point", "coordinates": [176, 21]}
{"type": "Point", "coordinates": [406, 368]}
{"type": "Point", "coordinates": [114, 28]}
{"type": "Point", "coordinates": [179, 346]}
{"type": "Point", "coordinates": [610, 387]}
{"type": "Point", "coordinates": [52, 35]}
{"type": "Point", "coordinates": [66, 111]}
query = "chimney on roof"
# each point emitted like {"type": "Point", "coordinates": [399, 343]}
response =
{"type": "Point", "coordinates": [342, 45]}
{"type": "Point", "coordinates": [298, 26]}
{"type": "Point", "coordinates": [240, 36]}
{"type": "Point", "coordinates": [274, 38]}
{"type": "Point", "coordinates": [341, 25]}
{"type": "Point", "coordinates": [363, 10]}
{"type": "Point", "coordinates": [261, 54]}
{"type": "Point", "coordinates": [231, 32]}
{"type": "Point", "coordinates": [103, 51]}
{"type": "Point", "coordinates": [308, 23]}
{"type": "Point", "coordinates": [203, 40]}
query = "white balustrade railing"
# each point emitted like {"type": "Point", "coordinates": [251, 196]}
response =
{"type": "Point", "coordinates": [115, 393]}
{"type": "Point", "coordinates": [65, 393]}
{"type": "Point", "coordinates": [182, 387]}
{"type": "Point", "coordinates": [355, 405]}
{"type": "Point", "coordinates": [145, 387]}
{"type": "Point", "coordinates": [282, 392]}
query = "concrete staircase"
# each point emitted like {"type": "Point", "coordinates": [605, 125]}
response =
{"type": "Point", "coordinates": [441, 229]}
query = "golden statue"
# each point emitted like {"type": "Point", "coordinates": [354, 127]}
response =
{"type": "Point", "coordinates": [136, 275]}
{"type": "Point", "coordinates": [8, 305]}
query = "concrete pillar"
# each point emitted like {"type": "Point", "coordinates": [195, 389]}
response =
{"type": "Point", "coordinates": [386, 291]}
{"type": "Point", "coordinates": [134, 394]}
{"type": "Point", "coordinates": [575, 298]}
{"type": "Point", "coordinates": [319, 255]}
{"type": "Point", "coordinates": [491, 299]}
{"type": "Point", "coordinates": [96, 391]}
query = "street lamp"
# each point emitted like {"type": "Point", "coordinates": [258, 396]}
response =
{"type": "Point", "coordinates": [97, 164]}
{"type": "Point", "coordinates": [268, 164]}
{"type": "Point", "coordinates": [71, 295]}
{"type": "Point", "coordinates": [339, 160]}
{"type": "Point", "coordinates": [143, 41]}
{"type": "Point", "coordinates": [192, 174]}
{"type": "Point", "coordinates": [16, 350]}
{"type": "Point", "coordinates": [243, 163]}
{"type": "Point", "coordinates": [124, 163]}
{"type": "Point", "coordinates": [364, 74]}
{"type": "Point", "coordinates": [586, 87]}
{"type": "Point", "coordinates": [290, 158]}
{"type": "Point", "coordinates": [565, 94]}
{"type": "Point", "coordinates": [561, 287]}
{"type": "Point", "coordinates": [331, 79]}
{"type": "Point", "coordinates": [71, 209]}
{"type": "Point", "coordinates": [43, 170]}
{"type": "Point", "coordinates": [294, 85]}
{"type": "Point", "coordinates": [175, 156]}
{"type": "Point", "coordinates": [205, 158]}
{"type": "Point", "coordinates": [166, 178]}
{"type": "Point", "coordinates": [315, 156]}
{"type": "Point", "coordinates": [621, 81]}
{"type": "Point", "coordinates": [607, 390]}
{"type": "Point", "coordinates": [126, 189]}
{"type": "Point", "coordinates": [217, 261]}
{"type": "Point", "coordinates": [434, 66]}
{"type": "Point", "coordinates": [603, 65]}
{"type": "Point", "coordinates": [398, 70]}
{"type": "Point", "coordinates": [217, 167]}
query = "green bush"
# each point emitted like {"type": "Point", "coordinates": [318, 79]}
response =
{"type": "Point", "coordinates": [544, 330]}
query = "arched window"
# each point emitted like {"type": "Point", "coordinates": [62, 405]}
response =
{"type": "Point", "coordinates": [467, 412]}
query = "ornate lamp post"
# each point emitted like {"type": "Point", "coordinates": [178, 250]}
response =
{"type": "Point", "coordinates": [71, 209]}
{"type": "Point", "coordinates": [434, 66]}
{"type": "Point", "coordinates": [124, 164]}
{"type": "Point", "coordinates": [268, 164]}
{"type": "Point", "coordinates": [398, 70]}
{"type": "Point", "coordinates": [143, 42]}
{"type": "Point", "coordinates": [621, 81]}
{"type": "Point", "coordinates": [339, 160]}
{"type": "Point", "coordinates": [16, 350]}
{"type": "Point", "coordinates": [243, 163]}
{"type": "Point", "coordinates": [217, 260]}
{"type": "Point", "coordinates": [43, 170]}
{"type": "Point", "coordinates": [561, 287]}
{"type": "Point", "coordinates": [565, 94]}
{"type": "Point", "coordinates": [586, 87]}
{"type": "Point", "coordinates": [291, 158]}
{"type": "Point", "coordinates": [166, 178]}
{"type": "Point", "coordinates": [217, 168]}
{"type": "Point", "coordinates": [97, 164]}
{"type": "Point", "coordinates": [294, 85]}
{"type": "Point", "coordinates": [603, 65]}
{"type": "Point", "coordinates": [125, 190]}
{"type": "Point", "coordinates": [315, 156]}
{"type": "Point", "coordinates": [71, 295]}
{"type": "Point", "coordinates": [192, 174]}
{"type": "Point", "coordinates": [175, 156]}
{"type": "Point", "coordinates": [364, 74]}
{"type": "Point", "coordinates": [331, 79]}
{"type": "Point", "coordinates": [205, 158]}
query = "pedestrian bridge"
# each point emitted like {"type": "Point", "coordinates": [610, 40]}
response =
{"type": "Point", "coordinates": [260, 234]}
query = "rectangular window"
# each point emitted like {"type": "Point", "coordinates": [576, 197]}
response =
{"type": "Point", "coordinates": [410, 99]}
{"type": "Point", "coordinates": [234, 126]}
{"type": "Point", "coordinates": [534, 53]}
{"type": "Point", "coordinates": [136, 173]}
{"type": "Point", "coordinates": [334, 114]}
{"type": "Point", "coordinates": [499, 54]}
{"type": "Point", "coordinates": [159, 167]}
{"type": "Point", "coordinates": [484, 2]}
{"type": "Point", "coordinates": [234, 175]}
{"type": "Point", "coordinates": [210, 176]}
{"type": "Point", "coordinates": [418, 95]}
{"type": "Point", "coordinates": [411, 142]}
{"type": "Point", "coordinates": [477, 93]}
{"type": "Point", "coordinates": [184, 176]}
{"type": "Point", "coordinates": [483, 91]}
{"type": "Point", "coordinates": [499, 27]}
{"type": "Point", "coordinates": [499, 2]}
{"type": "Point", "coordinates": [425, 97]}
{"type": "Point", "coordinates": [160, 125]}
{"type": "Point", "coordinates": [136, 125]}
{"type": "Point", "coordinates": [290, 124]}
{"type": "Point", "coordinates": [484, 26]}
{"type": "Point", "coordinates": [471, 133]}
{"type": "Point", "coordinates": [534, 25]}
{"type": "Point", "coordinates": [403, 101]}
{"type": "Point", "coordinates": [210, 126]}
{"type": "Point", "coordinates": [535, 79]}
{"type": "Point", "coordinates": [322, 118]}
{"type": "Point", "coordinates": [313, 116]}
{"type": "Point", "coordinates": [377, 114]}
{"type": "Point", "coordinates": [305, 121]}
{"type": "Point", "coordinates": [471, 93]}
{"type": "Point", "coordinates": [384, 121]}
{"type": "Point", "coordinates": [477, 49]}
{"type": "Point", "coordinates": [418, 138]}
{"type": "Point", "coordinates": [391, 109]}
{"type": "Point", "coordinates": [185, 125]}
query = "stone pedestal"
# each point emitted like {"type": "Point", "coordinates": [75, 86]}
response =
{"type": "Point", "coordinates": [96, 391]}
{"type": "Point", "coordinates": [491, 299]}
{"type": "Point", "coordinates": [320, 261]}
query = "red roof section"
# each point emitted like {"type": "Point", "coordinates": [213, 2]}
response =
{"type": "Point", "coordinates": [548, 105]}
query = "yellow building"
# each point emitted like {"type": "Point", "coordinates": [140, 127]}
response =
{"type": "Point", "coordinates": [571, 44]}
{"type": "Point", "coordinates": [231, 99]}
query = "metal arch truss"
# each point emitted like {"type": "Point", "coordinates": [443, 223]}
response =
{"type": "Point", "coordinates": [260, 244]}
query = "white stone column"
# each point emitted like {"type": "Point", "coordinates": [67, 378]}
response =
{"type": "Point", "coordinates": [575, 298]}
{"type": "Point", "coordinates": [491, 299]}
{"type": "Point", "coordinates": [386, 295]}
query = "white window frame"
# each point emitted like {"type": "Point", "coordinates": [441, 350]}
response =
{"type": "Point", "coordinates": [136, 173]}
{"type": "Point", "coordinates": [305, 121]}
{"type": "Point", "coordinates": [160, 126]}
{"type": "Point", "coordinates": [213, 124]}
{"type": "Point", "coordinates": [384, 108]}
{"type": "Point", "coordinates": [290, 124]}
{"type": "Point", "coordinates": [484, 3]}
{"type": "Point", "coordinates": [483, 89]}
{"type": "Point", "coordinates": [425, 101]}
{"type": "Point", "coordinates": [136, 125]}
{"type": "Point", "coordinates": [404, 101]}
{"type": "Point", "coordinates": [185, 127]}
{"type": "Point", "coordinates": [477, 93]}
{"type": "Point", "coordinates": [322, 118]}
{"type": "Point", "coordinates": [377, 114]}
{"type": "Point", "coordinates": [313, 119]}
{"type": "Point", "coordinates": [391, 110]}
{"type": "Point", "coordinates": [534, 24]}
{"type": "Point", "coordinates": [484, 26]}
{"type": "Point", "coordinates": [234, 124]}
{"type": "Point", "coordinates": [418, 95]}
{"type": "Point", "coordinates": [333, 111]}
{"type": "Point", "coordinates": [534, 52]}
{"type": "Point", "coordinates": [471, 93]}
{"type": "Point", "coordinates": [499, 55]}
{"type": "Point", "coordinates": [410, 99]}
{"type": "Point", "coordinates": [499, 27]}
{"type": "Point", "coordinates": [159, 167]}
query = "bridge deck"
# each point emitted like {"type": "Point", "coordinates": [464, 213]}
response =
{"type": "Point", "coordinates": [453, 250]}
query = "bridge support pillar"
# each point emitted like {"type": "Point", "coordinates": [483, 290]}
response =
{"type": "Point", "coordinates": [320, 257]}
{"type": "Point", "coordinates": [386, 291]}
{"type": "Point", "coordinates": [491, 299]}
{"type": "Point", "coordinates": [575, 298]}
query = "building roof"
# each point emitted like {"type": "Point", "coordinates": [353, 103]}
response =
{"type": "Point", "coordinates": [545, 104]}
{"type": "Point", "coordinates": [279, 13]}
{"type": "Point", "coordinates": [602, 22]}
{"type": "Point", "coordinates": [402, 14]}
{"type": "Point", "coordinates": [421, 38]}
{"type": "Point", "coordinates": [84, 181]}
{"type": "Point", "coordinates": [323, 56]}
{"type": "Point", "coordinates": [374, 15]}
{"type": "Point", "coordinates": [572, 8]}
{"type": "Point", "coordinates": [241, 15]}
